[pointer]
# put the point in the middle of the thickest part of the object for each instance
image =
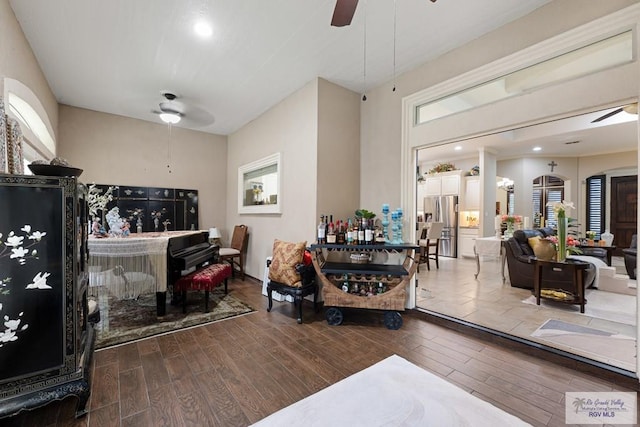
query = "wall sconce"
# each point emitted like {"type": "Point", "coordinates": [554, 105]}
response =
{"type": "Point", "coordinates": [214, 236]}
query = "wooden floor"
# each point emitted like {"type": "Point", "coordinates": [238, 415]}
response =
{"type": "Point", "coordinates": [237, 371]}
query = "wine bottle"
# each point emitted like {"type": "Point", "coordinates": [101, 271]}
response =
{"type": "Point", "coordinates": [321, 231]}
{"type": "Point", "coordinates": [368, 234]}
{"type": "Point", "coordinates": [361, 233]}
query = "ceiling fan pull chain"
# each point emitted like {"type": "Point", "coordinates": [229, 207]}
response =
{"type": "Point", "coordinates": [169, 147]}
{"type": "Point", "coordinates": [394, 44]}
{"type": "Point", "coordinates": [364, 66]}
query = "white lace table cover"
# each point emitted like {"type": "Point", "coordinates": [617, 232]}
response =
{"type": "Point", "coordinates": [488, 246]}
{"type": "Point", "coordinates": [133, 265]}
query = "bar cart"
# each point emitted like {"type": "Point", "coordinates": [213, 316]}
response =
{"type": "Point", "coordinates": [373, 277]}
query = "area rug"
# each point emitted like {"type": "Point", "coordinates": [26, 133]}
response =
{"type": "Point", "coordinates": [124, 320]}
{"type": "Point", "coordinates": [608, 346]}
{"type": "Point", "coordinates": [393, 392]}
{"type": "Point", "coordinates": [600, 304]}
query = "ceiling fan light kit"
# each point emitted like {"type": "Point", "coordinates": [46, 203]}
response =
{"type": "Point", "coordinates": [170, 118]}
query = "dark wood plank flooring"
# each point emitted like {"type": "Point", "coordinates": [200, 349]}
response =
{"type": "Point", "coordinates": [237, 371]}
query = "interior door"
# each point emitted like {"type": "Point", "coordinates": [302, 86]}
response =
{"type": "Point", "coordinates": [624, 210]}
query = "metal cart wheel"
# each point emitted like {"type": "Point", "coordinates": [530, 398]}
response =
{"type": "Point", "coordinates": [392, 320]}
{"type": "Point", "coordinates": [334, 316]}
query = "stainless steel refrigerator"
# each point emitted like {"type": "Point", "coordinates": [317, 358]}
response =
{"type": "Point", "coordinates": [444, 209]}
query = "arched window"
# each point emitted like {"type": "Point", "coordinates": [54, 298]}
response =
{"type": "Point", "coordinates": [24, 106]}
{"type": "Point", "coordinates": [546, 188]}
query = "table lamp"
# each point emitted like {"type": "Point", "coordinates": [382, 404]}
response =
{"type": "Point", "coordinates": [214, 236]}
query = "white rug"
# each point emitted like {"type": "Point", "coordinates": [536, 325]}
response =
{"type": "Point", "coordinates": [608, 346]}
{"type": "Point", "coordinates": [600, 304]}
{"type": "Point", "coordinates": [393, 392]}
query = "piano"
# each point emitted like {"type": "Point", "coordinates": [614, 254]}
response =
{"type": "Point", "coordinates": [185, 253]}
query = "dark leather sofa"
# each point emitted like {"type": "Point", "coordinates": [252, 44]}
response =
{"type": "Point", "coordinates": [521, 260]}
{"type": "Point", "coordinates": [630, 257]}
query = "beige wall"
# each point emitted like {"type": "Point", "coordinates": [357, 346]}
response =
{"type": "Point", "coordinates": [317, 132]}
{"type": "Point", "coordinates": [338, 188]}
{"type": "Point", "coordinates": [291, 128]}
{"type": "Point", "coordinates": [18, 62]}
{"type": "Point", "coordinates": [118, 150]}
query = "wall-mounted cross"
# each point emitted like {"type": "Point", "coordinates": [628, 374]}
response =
{"type": "Point", "coordinates": [552, 164]}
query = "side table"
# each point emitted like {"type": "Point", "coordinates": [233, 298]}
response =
{"type": "Point", "coordinates": [576, 268]}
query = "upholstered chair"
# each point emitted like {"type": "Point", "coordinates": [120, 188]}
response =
{"type": "Point", "coordinates": [292, 273]}
{"type": "Point", "coordinates": [630, 257]}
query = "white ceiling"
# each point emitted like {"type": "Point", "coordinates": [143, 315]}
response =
{"type": "Point", "coordinates": [116, 56]}
{"type": "Point", "coordinates": [574, 136]}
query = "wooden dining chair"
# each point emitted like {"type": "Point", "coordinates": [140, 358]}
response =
{"type": "Point", "coordinates": [234, 254]}
{"type": "Point", "coordinates": [430, 245]}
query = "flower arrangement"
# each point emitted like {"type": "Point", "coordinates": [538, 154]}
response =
{"type": "Point", "coordinates": [511, 219]}
{"type": "Point", "coordinates": [560, 208]}
{"type": "Point", "coordinates": [442, 167]}
{"type": "Point", "coordinates": [571, 244]}
{"type": "Point", "coordinates": [590, 235]}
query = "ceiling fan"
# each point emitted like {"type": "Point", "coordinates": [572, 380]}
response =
{"type": "Point", "coordinates": [344, 10]}
{"type": "Point", "coordinates": [630, 108]}
{"type": "Point", "coordinates": [173, 109]}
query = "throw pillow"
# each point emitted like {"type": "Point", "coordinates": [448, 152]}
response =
{"type": "Point", "coordinates": [286, 256]}
{"type": "Point", "coordinates": [543, 249]}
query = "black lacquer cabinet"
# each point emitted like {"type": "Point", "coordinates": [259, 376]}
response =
{"type": "Point", "coordinates": [46, 342]}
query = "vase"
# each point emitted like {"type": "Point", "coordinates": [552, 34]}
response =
{"type": "Point", "coordinates": [509, 231]}
{"type": "Point", "coordinates": [561, 254]}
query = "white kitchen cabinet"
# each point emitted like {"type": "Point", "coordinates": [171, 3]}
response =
{"type": "Point", "coordinates": [471, 199]}
{"type": "Point", "coordinates": [443, 184]}
{"type": "Point", "coordinates": [467, 239]}
{"type": "Point", "coordinates": [450, 185]}
{"type": "Point", "coordinates": [433, 186]}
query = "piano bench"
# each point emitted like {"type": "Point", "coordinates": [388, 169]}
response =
{"type": "Point", "coordinates": [205, 279]}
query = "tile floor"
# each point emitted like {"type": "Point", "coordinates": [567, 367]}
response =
{"type": "Point", "coordinates": [487, 301]}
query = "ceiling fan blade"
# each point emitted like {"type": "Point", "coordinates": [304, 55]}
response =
{"type": "Point", "coordinates": [343, 13]}
{"type": "Point", "coordinates": [606, 116]}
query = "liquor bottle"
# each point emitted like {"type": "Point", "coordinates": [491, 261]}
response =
{"type": "Point", "coordinates": [354, 233]}
{"type": "Point", "coordinates": [331, 234]}
{"type": "Point", "coordinates": [368, 234]}
{"type": "Point", "coordinates": [321, 231]}
{"type": "Point", "coordinates": [361, 233]}
{"type": "Point", "coordinates": [341, 234]}
{"type": "Point", "coordinates": [349, 232]}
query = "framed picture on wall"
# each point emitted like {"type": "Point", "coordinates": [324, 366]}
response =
{"type": "Point", "coordinates": [259, 186]}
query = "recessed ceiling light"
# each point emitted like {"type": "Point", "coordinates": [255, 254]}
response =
{"type": "Point", "coordinates": [203, 29]}
{"type": "Point", "coordinates": [537, 148]}
{"type": "Point", "coordinates": [458, 148]}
